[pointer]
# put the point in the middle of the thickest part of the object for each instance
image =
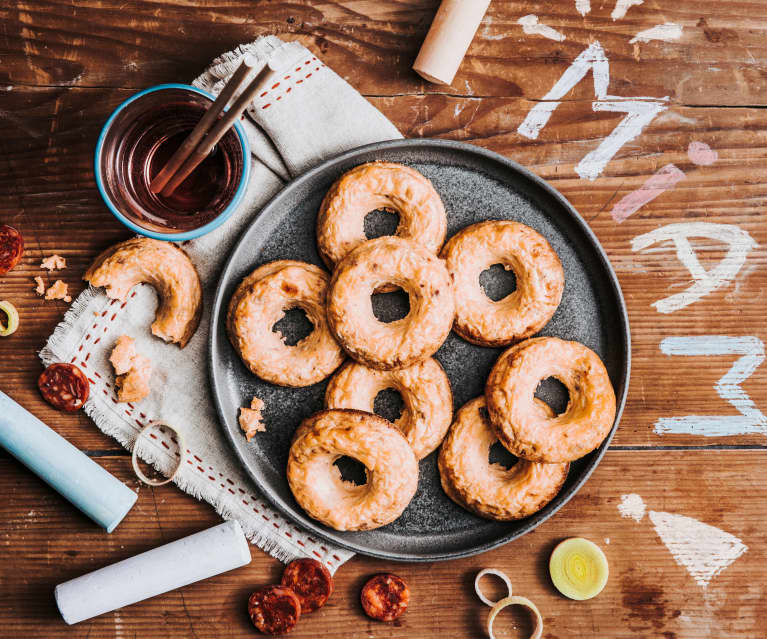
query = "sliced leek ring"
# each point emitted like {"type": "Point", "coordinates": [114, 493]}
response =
{"type": "Point", "coordinates": [515, 601]}
{"type": "Point", "coordinates": [497, 573]}
{"type": "Point", "coordinates": [578, 568]}
{"type": "Point", "coordinates": [9, 326]}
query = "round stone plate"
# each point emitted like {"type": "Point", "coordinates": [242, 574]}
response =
{"type": "Point", "coordinates": [475, 185]}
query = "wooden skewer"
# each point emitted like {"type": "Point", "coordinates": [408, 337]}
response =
{"type": "Point", "coordinates": [160, 180]}
{"type": "Point", "coordinates": [218, 131]}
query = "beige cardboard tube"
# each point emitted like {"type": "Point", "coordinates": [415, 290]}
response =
{"type": "Point", "coordinates": [448, 39]}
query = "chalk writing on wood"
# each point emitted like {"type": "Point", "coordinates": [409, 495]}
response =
{"type": "Point", "coordinates": [661, 181]}
{"type": "Point", "coordinates": [750, 419]}
{"type": "Point", "coordinates": [531, 26]}
{"type": "Point", "coordinates": [666, 32]}
{"type": "Point", "coordinates": [701, 549]}
{"type": "Point", "coordinates": [739, 244]}
{"type": "Point", "coordinates": [639, 111]}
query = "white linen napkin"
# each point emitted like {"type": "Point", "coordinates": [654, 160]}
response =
{"type": "Point", "coordinates": [310, 114]}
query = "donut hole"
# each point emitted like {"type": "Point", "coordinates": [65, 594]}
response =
{"type": "Point", "coordinates": [294, 326]}
{"type": "Point", "coordinates": [498, 282]}
{"type": "Point", "coordinates": [554, 393]}
{"type": "Point", "coordinates": [390, 307]}
{"type": "Point", "coordinates": [352, 471]}
{"type": "Point", "coordinates": [381, 222]}
{"type": "Point", "coordinates": [499, 455]}
{"type": "Point", "coordinates": [389, 404]}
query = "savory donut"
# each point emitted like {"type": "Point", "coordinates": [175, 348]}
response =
{"type": "Point", "coordinates": [540, 281]}
{"type": "Point", "coordinates": [379, 185]}
{"type": "Point", "coordinates": [518, 421]}
{"type": "Point", "coordinates": [390, 466]}
{"type": "Point", "coordinates": [425, 390]}
{"type": "Point", "coordinates": [490, 490]}
{"type": "Point", "coordinates": [260, 301]}
{"type": "Point", "coordinates": [164, 266]}
{"type": "Point", "coordinates": [404, 342]}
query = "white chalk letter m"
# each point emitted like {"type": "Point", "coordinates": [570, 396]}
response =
{"type": "Point", "coordinates": [751, 419]}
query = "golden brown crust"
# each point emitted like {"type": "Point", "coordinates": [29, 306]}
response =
{"type": "Point", "coordinates": [539, 274]}
{"type": "Point", "coordinates": [379, 185]}
{"type": "Point", "coordinates": [260, 301]}
{"type": "Point", "coordinates": [520, 424]}
{"type": "Point", "coordinates": [164, 266]}
{"type": "Point", "coordinates": [489, 490]}
{"type": "Point", "coordinates": [425, 391]}
{"type": "Point", "coordinates": [317, 485]}
{"type": "Point", "coordinates": [404, 342]}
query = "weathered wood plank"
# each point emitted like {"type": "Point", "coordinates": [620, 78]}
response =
{"type": "Point", "coordinates": [720, 58]}
{"type": "Point", "coordinates": [648, 594]}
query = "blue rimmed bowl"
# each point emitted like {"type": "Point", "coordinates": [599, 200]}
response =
{"type": "Point", "coordinates": [138, 138]}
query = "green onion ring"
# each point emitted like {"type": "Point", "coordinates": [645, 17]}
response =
{"type": "Point", "coordinates": [12, 316]}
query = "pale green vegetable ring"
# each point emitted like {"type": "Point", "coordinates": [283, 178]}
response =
{"type": "Point", "coordinates": [578, 568]}
{"type": "Point", "coordinates": [515, 601]}
{"type": "Point", "coordinates": [11, 315]}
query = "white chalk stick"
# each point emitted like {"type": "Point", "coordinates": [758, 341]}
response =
{"type": "Point", "coordinates": [448, 39]}
{"type": "Point", "coordinates": [154, 572]}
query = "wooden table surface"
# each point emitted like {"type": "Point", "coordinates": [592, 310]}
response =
{"type": "Point", "coordinates": [65, 64]}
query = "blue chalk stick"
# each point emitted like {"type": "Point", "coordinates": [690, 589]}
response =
{"type": "Point", "coordinates": [97, 493]}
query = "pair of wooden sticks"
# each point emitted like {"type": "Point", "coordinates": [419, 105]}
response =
{"type": "Point", "coordinates": [210, 129]}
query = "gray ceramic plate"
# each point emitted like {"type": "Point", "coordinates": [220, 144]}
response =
{"type": "Point", "coordinates": [475, 185]}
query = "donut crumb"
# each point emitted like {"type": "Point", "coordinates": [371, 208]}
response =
{"type": "Point", "coordinates": [251, 419]}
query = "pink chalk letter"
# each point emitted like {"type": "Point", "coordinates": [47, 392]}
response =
{"type": "Point", "coordinates": [701, 153]}
{"type": "Point", "coordinates": [661, 181]}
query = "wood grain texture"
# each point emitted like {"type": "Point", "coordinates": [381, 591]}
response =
{"type": "Point", "coordinates": [66, 65]}
{"type": "Point", "coordinates": [372, 43]}
{"type": "Point", "coordinates": [648, 594]}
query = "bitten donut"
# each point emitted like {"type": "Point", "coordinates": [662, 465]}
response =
{"type": "Point", "coordinates": [540, 281]}
{"type": "Point", "coordinates": [260, 301]}
{"type": "Point", "coordinates": [164, 266]}
{"type": "Point", "coordinates": [425, 391]}
{"type": "Point", "coordinates": [518, 421]}
{"type": "Point", "coordinates": [490, 490]}
{"type": "Point", "coordinates": [404, 342]}
{"type": "Point", "coordinates": [379, 185]}
{"type": "Point", "coordinates": [390, 466]}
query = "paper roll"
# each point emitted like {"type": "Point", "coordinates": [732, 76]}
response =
{"type": "Point", "coordinates": [154, 572]}
{"type": "Point", "coordinates": [97, 493]}
{"type": "Point", "coordinates": [448, 39]}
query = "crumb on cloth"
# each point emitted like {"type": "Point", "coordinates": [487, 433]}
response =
{"type": "Point", "coordinates": [133, 370]}
{"type": "Point", "coordinates": [134, 385]}
{"type": "Point", "coordinates": [40, 289]}
{"type": "Point", "coordinates": [251, 419]}
{"type": "Point", "coordinates": [54, 263]}
{"type": "Point", "coordinates": [123, 354]}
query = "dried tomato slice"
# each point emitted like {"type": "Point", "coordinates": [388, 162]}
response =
{"type": "Point", "coordinates": [274, 610]}
{"type": "Point", "coordinates": [11, 248]}
{"type": "Point", "coordinates": [64, 386]}
{"type": "Point", "coordinates": [311, 581]}
{"type": "Point", "coordinates": [385, 597]}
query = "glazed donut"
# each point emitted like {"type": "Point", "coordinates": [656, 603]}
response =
{"type": "Point", "coordinates": [379, 185]}
{"type": "Point", "coordinates": [425, 390]}
{"type": "Point", "coordinates": [404, 342]}
{"type": "Point", "coordinates": [490, 490]}
{"type": "Point", "coordinates": [390, 466]}
{"type": "Point", "coordinates": [520, 424]}
{"type": "Point", "coordinates": [260, 301]}
{"type": "Point", "coordinates": [540, 281]}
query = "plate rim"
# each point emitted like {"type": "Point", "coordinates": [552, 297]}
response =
{"type": "Point", "coordinates": [405, 144]}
